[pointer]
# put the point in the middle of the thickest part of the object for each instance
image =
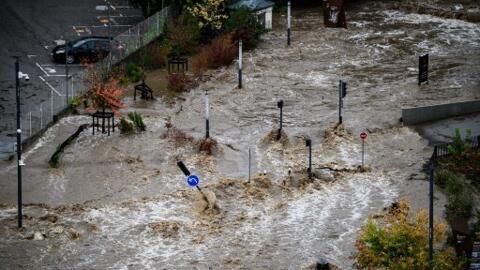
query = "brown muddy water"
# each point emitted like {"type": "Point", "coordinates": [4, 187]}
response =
{"type": "Point", "coordinates": [120, 202]}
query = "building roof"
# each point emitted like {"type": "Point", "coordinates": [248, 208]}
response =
{"type": "Point", "coordinates": [253, 5]}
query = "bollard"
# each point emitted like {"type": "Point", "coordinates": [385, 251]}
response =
{"type": "Point", "coordinates": [240, 63]}
{"type": "Point", "coordinates": [308, 143]}
{"type": "Point", "coordinates": [207, 116]}
{"type": "Point", "coordinates": [280, 106]}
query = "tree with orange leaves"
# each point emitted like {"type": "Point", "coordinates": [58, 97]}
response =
{"type": "Point", "coordinates": [103, 90]}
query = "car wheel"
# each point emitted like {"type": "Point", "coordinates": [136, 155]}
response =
{"type": "Point", "coordinates": [70, 59]}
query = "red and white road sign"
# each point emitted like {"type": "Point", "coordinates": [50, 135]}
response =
{"type": "Point", "coordinates": [363, 135]}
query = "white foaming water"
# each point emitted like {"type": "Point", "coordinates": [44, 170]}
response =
{"type": "Point", "coordinates": [326, 221]}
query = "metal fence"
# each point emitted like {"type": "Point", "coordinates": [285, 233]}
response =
{"type": "Point", "coordinates": [441, 150]}
{"type": "Point", "coordinates": [35, 120]}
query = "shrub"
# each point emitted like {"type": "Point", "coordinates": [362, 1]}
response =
{"type": "Point", "coordinates": [459, 146]}
{"type": "Point", "coordinates": [75, 102]}
{"type": "Point", "coordinates": [155, 55]}
{"type": "Point", "coordinates": [125, 126]}
{"type": "Point", "coordinates": [460, 198]}
{"type": "Point", "coordinates": [208, 146]}
{"type": "Point", "coordinates": [176, 82]}
{"type": "Point", "coordinates": [397, 242]}
{"type": "Point", "coordinates": [459, 206]}
{"type": "Point", "coordinates": [137, 120]}
{"type": "Point", "coordinates": [442, 176]}
{"type": "Point", "coordinates": [243, 25]}
{"type": "Point", "coordinates": [183, 35]}
{"type": "Point", "coordinates": [219, 53]}
{"type": "Point", "coordinates": [134, 72]}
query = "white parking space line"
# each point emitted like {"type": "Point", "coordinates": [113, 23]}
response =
{"type": "Point", "coordinates": [97, 26]}
{"type": "Point", "coordinates": [40, 67]}
{"type": "Point", "coordinates": [49, 85]}
{"type": "Point", "coordinates": [49, 69]}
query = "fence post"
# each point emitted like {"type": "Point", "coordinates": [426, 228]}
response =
{"type": "Point", "coordinates": [41, 117]}
{"type": "Point", "coordinates": [158, 23]}
{"type": "Point", "coordinates": [30, 115]}
{"type": "Point", "coordinates": [73, 91]}
{"type": "Point", "coordinates": [51, 104]}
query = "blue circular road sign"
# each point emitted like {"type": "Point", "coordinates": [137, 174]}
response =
{"type": "Point", "coordinates": [193, 180]}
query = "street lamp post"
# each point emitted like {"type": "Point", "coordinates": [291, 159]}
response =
{"type": "Point", "coordinates": [19, 144]}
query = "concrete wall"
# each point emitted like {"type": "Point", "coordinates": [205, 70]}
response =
{"type": "Point", "coordinates": [412, 116]}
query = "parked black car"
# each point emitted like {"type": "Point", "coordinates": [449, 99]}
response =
{"type": "Point", "coordinates": [89, 49]}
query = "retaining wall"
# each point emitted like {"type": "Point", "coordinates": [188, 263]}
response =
{"type": "Point", "coordinates": [412, 116]}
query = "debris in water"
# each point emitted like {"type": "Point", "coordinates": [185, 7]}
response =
{"type": "Point", "coordinates": [168, 229]}
{"type": "Point", "coordinates": [49, 217]}
{"type": "Point", "coordinates": [334, 133]}
{"type": "Point", "coordinates": [208, 146]}
{"type": "Point", "coordinates": [74, 235]}
{"type": "Point", "coordinates": [271, 138]}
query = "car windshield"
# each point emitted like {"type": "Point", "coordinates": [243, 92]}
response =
{"type": "Point", "coordinates": [79, 43]}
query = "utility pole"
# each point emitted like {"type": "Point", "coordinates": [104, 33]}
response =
{"type": "Point", "coordinates": [289, 23]}
{"type": "Point", "coordinates": [19, 144]}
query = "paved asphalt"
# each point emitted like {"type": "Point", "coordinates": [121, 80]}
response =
{"type": "Point", "coordinates": [29, 28]}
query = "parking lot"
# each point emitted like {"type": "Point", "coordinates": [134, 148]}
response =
{"type": "Point", "coordinates": [30, 29]}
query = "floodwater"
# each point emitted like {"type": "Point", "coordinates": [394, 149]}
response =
{"type": "Point", "coordinates": [120, 202]}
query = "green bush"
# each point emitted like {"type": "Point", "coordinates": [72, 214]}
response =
{"type": "Point", "coordinates": [459, 206]}
{"type": "Point", "coordinates": [74, 102]}
{"type": "Point", "coordinates": [125, 126]}
{"type": "Point", "coordinates": [134, 72]}
{"type": "Point", "coordinates": [459, 146]}
{"type": "Point", "coordinates": [460, 198]}
{"type": "Point", "coordinates": [243, 25]}
{"type": "Point", "coordinates": [183, 35]}
{"type": "Point", "coordinates": [137, 120]}
{"type": "Point", "coordinates": [155, 55]}
{"type": "Point", "coordinates": [442, 176]}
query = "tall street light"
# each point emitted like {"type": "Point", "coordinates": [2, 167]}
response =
{"type": "Point", "coordinates": [19, 75]}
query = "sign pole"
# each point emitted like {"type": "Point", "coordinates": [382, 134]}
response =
{"type": "Point", "coordinates": [363, 153]}
{"type": "Point", "coordinates": [249, 164]}
{"type": "Point", "coordinates": [309, 145]}
{"type": "Point", "coordinates": [289, 23]}
{"type": "Point", "coordinates": [240, 63]}
{"type": "Point", "coordinates": [207, 116]}
{"type": "Point", "coordinates": [363, 136]}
